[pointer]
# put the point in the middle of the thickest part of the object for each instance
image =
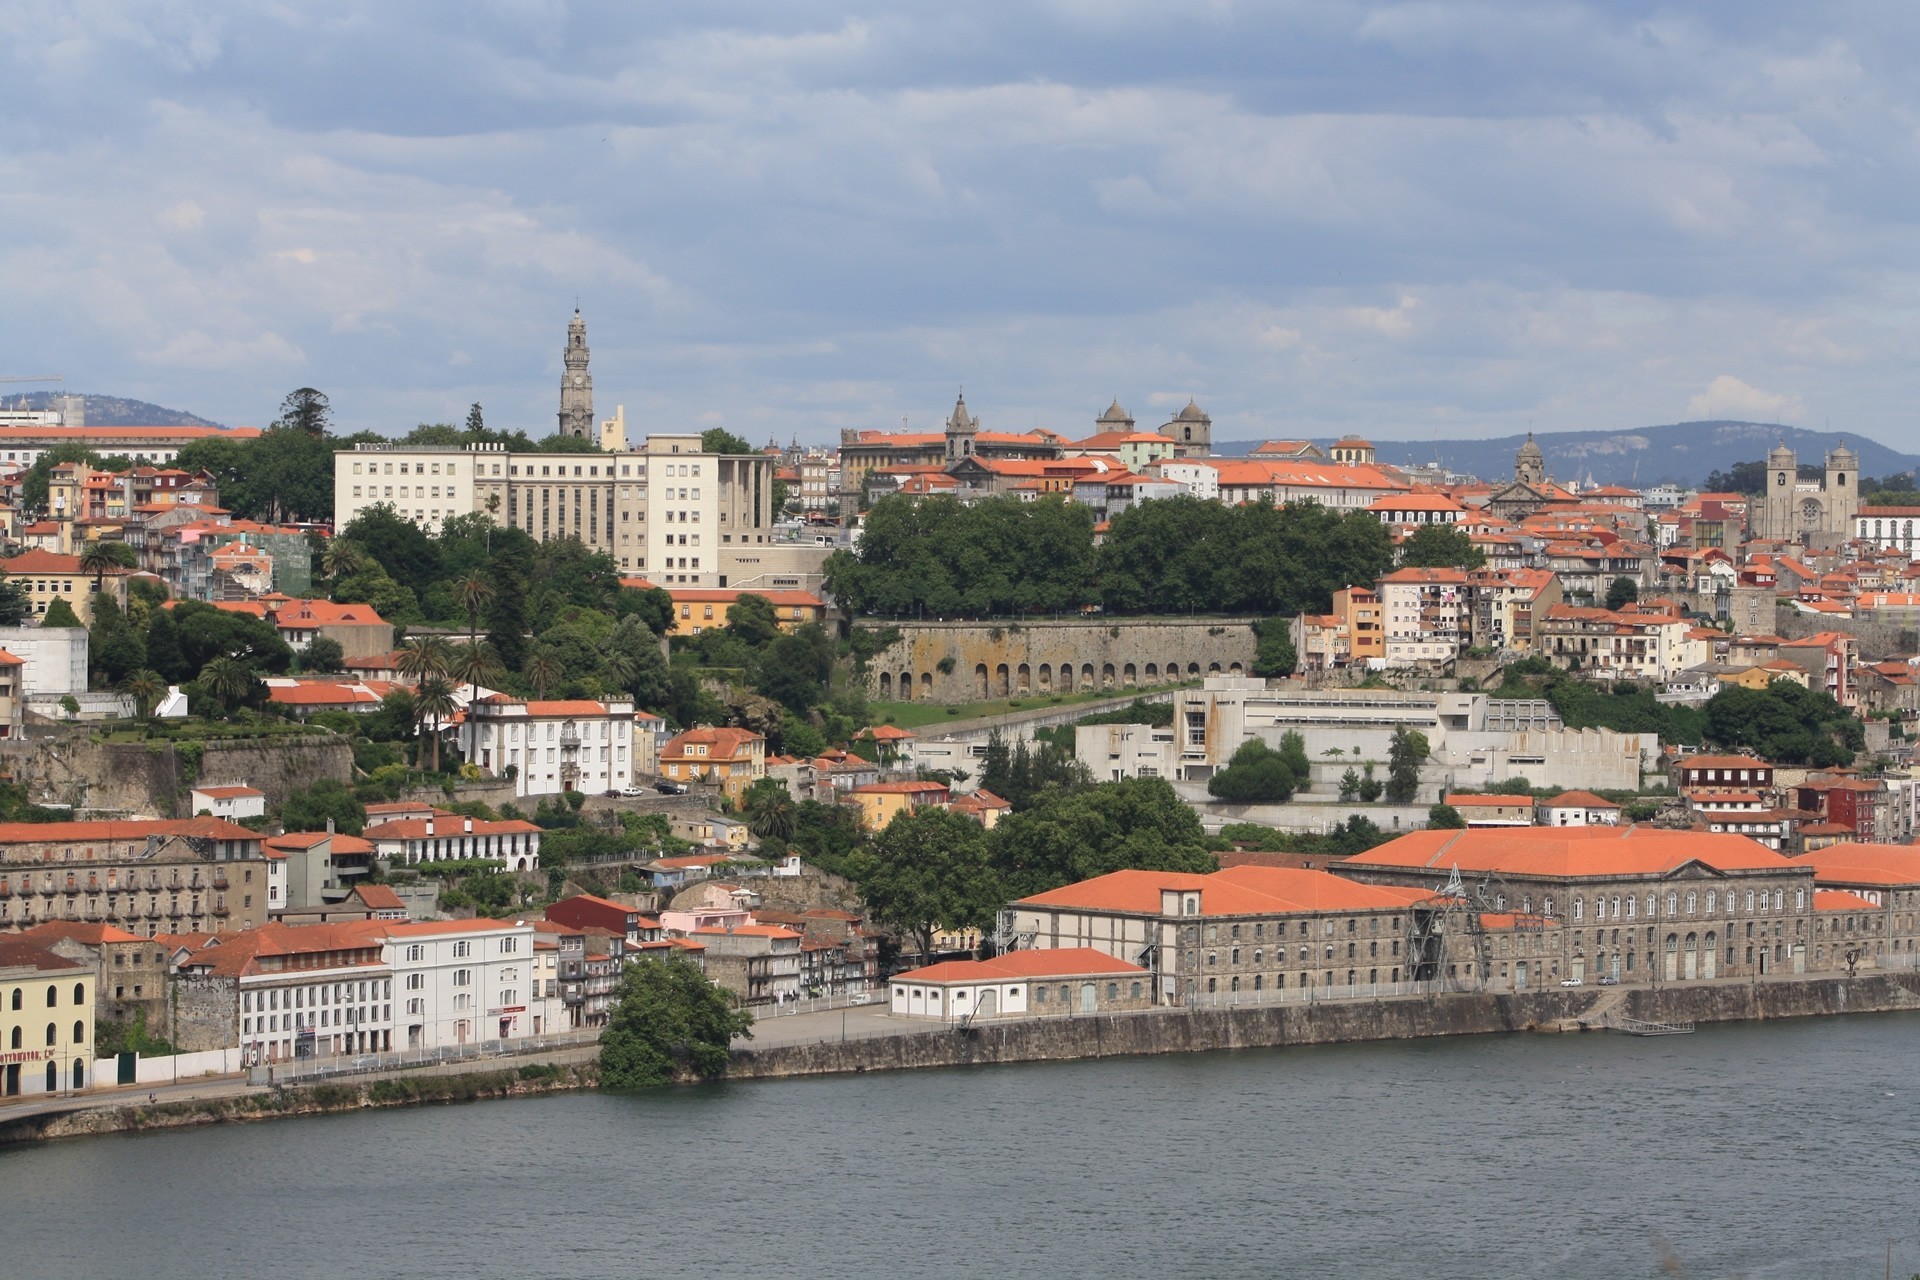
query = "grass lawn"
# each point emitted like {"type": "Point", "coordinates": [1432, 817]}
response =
{"type": "Point", "coordinates": [917, 715]}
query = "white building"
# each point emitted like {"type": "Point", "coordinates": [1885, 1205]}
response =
{"type": "Point", "coordinates": [231, 803]}
{"type": "Point", "coordinates": [667, 510]}
{"type": "Point", "coordinates": [461, 981]}
{"type": "Point", "coordinates": [451, 837]}
{"type": "Point", "coordinates": [1579, 809]}
{"type": "Point", "coordinates": [554, 746]}
{"type": "Point", "coordinates": [56, 658]}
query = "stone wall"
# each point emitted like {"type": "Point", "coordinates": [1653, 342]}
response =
{"type": "Point", "coordinates": [1877, 640]}
{"type": "Point", "coordinates": [953, 662]}
{"type": "Point", "coordinates": [152, 779]}
{"type": "Point", "coordinates": [1328, 1022]}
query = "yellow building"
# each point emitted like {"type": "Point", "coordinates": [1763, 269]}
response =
{"type": "Point", "coordinates": [47, 577]}
{"type": "Point", "coordinates": [697, 609]}
{"type": "Point", "coordinates": [46, 1021]}
{"type": "Point", "coordinates": [728, 759]}
{"type": "Point", "coordinates": [881, 802]}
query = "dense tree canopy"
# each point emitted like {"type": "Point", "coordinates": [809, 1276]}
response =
{"type": "Point", "coordinates": [1139, 823]}
{"type": "Point", "coordinates": [668, 1018]}
{"type": "Point", "coordinates": [929, 869]}
{"type": "Point", "coordinates": [1441, 546]}
{"type": "Point", "coordinates": [945, 558]}
{"type": "Point", "coordinates": [1786, 724]}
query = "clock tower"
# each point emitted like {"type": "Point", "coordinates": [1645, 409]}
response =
{"type": "Point", "coordinates": [576, 384]}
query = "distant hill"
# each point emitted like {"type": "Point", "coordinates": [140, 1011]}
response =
{"type": "Point", "coordinates": [1680, 452]}
{"type": "Point", "coordinates": [113, 411]}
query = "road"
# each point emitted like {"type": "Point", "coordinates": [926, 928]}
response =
{"type": "Point", "coordinates": [862, 1022]}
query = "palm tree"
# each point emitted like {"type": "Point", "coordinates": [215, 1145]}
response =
{"type": "Point", "coordinates": [228, 680]}
{"type": "Point", "coordinates": [434, 700]}
{"type": "Point", "coordinates": [543, 670]}
{"type": "Point", "coordinates": [773, 817]}
{"type": "Point", "coordinates": [98, 557]}
{"type": "Point", "coordinates": [619, 667]}
{"type": "Point", "coordinates": [342, 559]}
{"type": "Point", "coordinates": [474, 592]}
{"type": "Point", "coordinates": [423, 656]}
{"type": "Point", "coordinates": [474, 664]}
{"type": "Point", "coordinates": [146, 688]}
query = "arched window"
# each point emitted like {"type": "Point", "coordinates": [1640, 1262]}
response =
{"type": "Point", "coordinates": [16, 1039]}
{"type": "Point", "coordinates": [1673, 903]}
{"type": "Point", "coordinates": [1779, 899]}
{"type": "Point", "coordinates": [53, 995]}
{"type": "Point", "coordinates": [79, 994]}
{"type": "Point", "coordinates": [1547, 907]}
{"type": "Point", "coordinates": [80, 1033]}
{"type": "Point", "coordinates": [1799, 899]}
{"type": "Point", "coordinates": [53, 1077]}
{"type": "Point", "coordinates": [1713, 900]}
{"type": "Point", "coordinates": [1693, 901]}
{"type": "Point", "coordinates": [1749, 901]}
{"type": "Point", "coordinates": [53, 1033]}
{"type": "Point", "coordinates": [16, 997]}
{"type": "Point", "coordinates": [79, 1075]}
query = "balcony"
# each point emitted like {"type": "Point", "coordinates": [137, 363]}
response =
{"type": "Point", "coordinates": [220, 880]}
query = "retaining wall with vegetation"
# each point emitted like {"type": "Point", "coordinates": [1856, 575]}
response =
{"type": "Point", "coordinates": [952, 662]}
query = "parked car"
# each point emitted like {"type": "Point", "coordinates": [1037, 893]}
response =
{"type": "Point", "coordinates": [1609, 981]}
{"type": "Point", "coordinates": [670, 788]}
{"type": "Point", "coordinates": [1572, 982]}
{"type": "Point", "coordinates": [860, 997]}
{"type": "Point", "coordinates": [631, 791]}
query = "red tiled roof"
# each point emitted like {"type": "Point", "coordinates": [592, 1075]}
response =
{"type": "Point", "coordinates": [1061, 962]}
{"type": "Point", "coordinates": [1568, 851]}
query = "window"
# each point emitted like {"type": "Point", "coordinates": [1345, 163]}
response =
{"type": "Point", "coordinates": [463, 948]}
{"type": "Point", "coordinates": [416, 952]}
{"type": "Point", "coordinates": [463, 977]}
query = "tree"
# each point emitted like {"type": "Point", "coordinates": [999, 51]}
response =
{"type": "Point", "coordinates": [1274, 654]}
{"type": "Point", "coordinates": [1072, 835]}
{"type": "Point", "coordinates": [1349, 784]}
{"type": "Point", "coordinates": [667, 1019]}
{"type": "Point", "coordinates": [114, 649]}
{"type": "Point", "coordinates": [929, 869]}
{"type": "Point", "coordinates": [307, 411]}
{"type": "Point", "coordinates": [323, 654]}
{"type": "Point", "coordinates": [228, 681]}
{"type": "Point", "coordinates": [60, 614]}
{"type": "Point", "coordinates": [1370, 786]}
{"type": "Point", "coordinates": [1293, 750]}
{"type": "Point", "coordinates": [1405, 754]}
{"type": "Point", "coordinates": [1445, 817]}
{"type": "Point", "coordinates": [1622, 591]}
{"type": "Point", "coordinates": [721, 440]}
{"type": "Point", "coordinates": [342, 559]}
{"type": "Point", "coordinates": [794, 668]}
{"type": "Point", "coordinates": [633, 651]}
{"type": "Point", "coordinates": [475, 592]}
{"type": "Point", "coordinates": [1257, 774]}
{"type": "Point", "coordinates": [1744, 477]}
{"type": "Point", "coordinates": [16, 606]}
{"type": "Point", "coordinates": [423, 656]}
{"type": "Point", "coordinates": [99, 558]}
{"type": "Point", "coordinates": [543, 670]}
{"type": "Point", "coordinates": [434, 703]}
{"type": "Point", "coordinates": [1441, 546]}
{"type": "Point", "coordinates": [146, 688]}
{"type": "Point", "coordinates": [476, 423]}
{"type": "Point", "coordinates": [398, 546]}
{"type": "Point", "coordinates": [309, 808]}
{"type": "Point", "coordinates": [751, 618]}
{"type": "Point", "coordinates": [771, 813]}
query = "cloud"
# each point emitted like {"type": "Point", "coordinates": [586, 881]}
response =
{"type": "Point", "coordinates": [1394, 218]}
{"type": "Point", "coordinates": [1728, 397]}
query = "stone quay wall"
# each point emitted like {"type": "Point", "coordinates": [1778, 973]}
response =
{"type": "Point", "coordinates": [1326, 1022]}
{"type": "Point", "coordinates": [954, 662]}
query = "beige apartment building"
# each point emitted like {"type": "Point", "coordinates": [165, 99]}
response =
{"type": "Point", "coordinates": [666, 510]}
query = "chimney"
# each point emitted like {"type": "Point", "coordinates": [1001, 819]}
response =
{"type": "Point", "coordinates": [329, 826]}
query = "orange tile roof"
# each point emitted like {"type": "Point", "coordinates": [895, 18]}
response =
{"type": "Point", "coordinates": [1568, 852]}
{"type": "Point", "coordinates": [132, 829]}
{"type": "Point", "coordinates": [1893, 865]}
{"type": "Point", "coordinates": [1840, 900]}
{"type": "Point", "coordinates": [446, 825]}
{"type": "Point", "coordinates": [1060, 962]}
{"type": "Point", "coordinates": [229, 793]}
{"type": "Point", "coordinates": [1578, 800]}
{"type": "Point", "coordinates": [898, 788]}
{"type": "Point", "coordinates": [1236, 891]}
{"type": "Point", "coordinates": [750, 931]}
{"type": "Point", "coordinates": [76, 931]}
{"type": "Point", "coordinates": [1503, 802]}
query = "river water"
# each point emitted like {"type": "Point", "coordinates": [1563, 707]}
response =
{"type": "Point", "coordinates": [1788, 1149]}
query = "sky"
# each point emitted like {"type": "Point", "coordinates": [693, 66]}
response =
{"type": "Point", "coordinates": [1406, 220]}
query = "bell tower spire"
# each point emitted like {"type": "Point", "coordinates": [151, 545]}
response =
{"type": "Point", "coordinates": [576, 384]}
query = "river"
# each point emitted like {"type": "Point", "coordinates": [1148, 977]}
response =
{"type": "Point", "coordinates": [1786, 1149]}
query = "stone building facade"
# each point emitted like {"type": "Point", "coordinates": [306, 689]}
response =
{"type": "Point", "coordinates": [193, 875]}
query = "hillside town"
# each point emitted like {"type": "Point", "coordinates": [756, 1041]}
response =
{"type": "Point", "coordinates": [424, 750]}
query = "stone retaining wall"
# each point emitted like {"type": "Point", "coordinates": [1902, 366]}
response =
{"type": "Point", "coordinates": [950, 662]}
{"type": "Point", "coordinates": [1328, 1022]}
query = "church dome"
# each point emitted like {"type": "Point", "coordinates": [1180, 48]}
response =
{"type": "Point", "coordinates": [1842, 457]}
{"type": "Point", "coordinates": [1115, 413]}
{"type": "Point", "coordinates": [1531, 450]}
{"type": "Point", "coordinates": [1781, 456]}
{"type": "Point", "coordinates": [1192, 413]}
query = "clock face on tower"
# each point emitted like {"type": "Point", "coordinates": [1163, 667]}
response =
{"type": "Point", "coordinates": [579, 379]}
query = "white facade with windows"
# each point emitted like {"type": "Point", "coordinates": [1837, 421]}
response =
{"type": "Point", "coordinates": [461, 982]}
{"type": "Point", "coordinates": [323, 1012]}
{"type": "Point", "coordinates": [555, 746]}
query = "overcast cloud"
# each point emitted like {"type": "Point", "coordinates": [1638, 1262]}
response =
{"type": "Point", "coordinates": [788, 218]}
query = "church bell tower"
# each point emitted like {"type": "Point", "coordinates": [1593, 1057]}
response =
{"type": "Point", "coordinates": [576, 384]}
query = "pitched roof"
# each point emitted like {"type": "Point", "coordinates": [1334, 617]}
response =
{"type": "Point", "coordinates": [132, 829]}
{"type": "Point", "coordinates": [78, 931]}
{"type": "Point", "coordinates": [1060, 962]}
{"type": "Point", "coordinates": [24, 955]}
{"type": "Point", "coordinates": [1892, 865]}
{"type": "Point", "coordinates": [1570, 852]}
{"type": "Point", "coordinates": [1244, 890]}
{"type": "Point", "coordinates": [1578, 800]}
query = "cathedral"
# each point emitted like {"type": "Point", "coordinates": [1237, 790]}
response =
{"type": "Point", "coordinates": [1816, 512]}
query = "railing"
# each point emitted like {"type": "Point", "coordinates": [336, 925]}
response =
{"type": "Point", "coordinates": [817, 1004]}
{"type": "Point", "coordinates": [360, 1064]}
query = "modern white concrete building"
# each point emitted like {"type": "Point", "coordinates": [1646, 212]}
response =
{"type": "Point", "coordinates": [461, 981]}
